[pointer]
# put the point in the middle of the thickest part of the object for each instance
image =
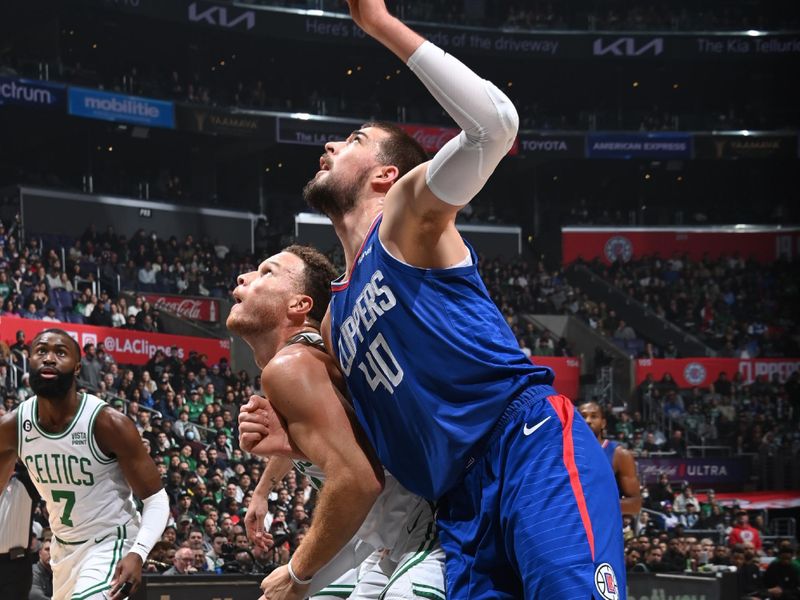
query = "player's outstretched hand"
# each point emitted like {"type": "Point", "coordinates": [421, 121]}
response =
{"type": "Point", "coordinates": [279, 586]}
{"type": "Point", "coordinates": [254, 523]}
{"type": "Point", "coordinates": [368, 14]}
{"type": "Point", "coordinates": [127, 577]}
{"type": "Point", "coordinates": [262, 431]}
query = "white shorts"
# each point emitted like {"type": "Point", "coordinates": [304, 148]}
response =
{"type": "Point", "coordinates": [414, 568]}
{"type": "Point", "coordinates": [84, 571]}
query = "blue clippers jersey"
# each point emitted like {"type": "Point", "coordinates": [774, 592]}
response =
{"type": "Point", "coordinates": [609, 448]}
{"type": "Point", "coordinates": [430, 363]}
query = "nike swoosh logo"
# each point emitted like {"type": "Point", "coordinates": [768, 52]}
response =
{"type": "Point", "coordinates": [410, 529]}
{"type": "Point", "coordinates": [529, 430]}
{"type": "Point", "coordinates": [98, 540]}
{"type": "Point", "coordinates": [27, 439]}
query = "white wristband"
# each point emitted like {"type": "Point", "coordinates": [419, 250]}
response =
{"type": "Point", "coordinates": [294, 577]}
{"type": "Point", "coordinates": [155, 512]}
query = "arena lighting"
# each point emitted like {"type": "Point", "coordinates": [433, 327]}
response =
{"type": "Point", "coordinates": [754, 32]}
{"type": "Point", "coordinates": [315, 12]}
{"type": "Point", "coordinates": [301, 116]}
{"type": "Point", "coordinates": [744, 132]}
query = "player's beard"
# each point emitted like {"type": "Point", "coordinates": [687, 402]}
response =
{"type": "Point", "coordinates": [52, 388]}
{"type": "Point", "coordinates": [254, 320]}
{"type": "Point", "coordinates": [333, 197]}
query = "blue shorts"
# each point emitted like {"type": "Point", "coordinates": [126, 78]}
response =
{"type": "Point", "coordinates": [537, 514]}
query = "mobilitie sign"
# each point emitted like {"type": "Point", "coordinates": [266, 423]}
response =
{"type": "Point", "coordinates": [29, 92]}
{"type": "Point", "coordinates": [106, 106]}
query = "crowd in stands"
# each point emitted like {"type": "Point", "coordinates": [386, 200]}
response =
{"type": "Point", "coordinates": [186, 410]}
{"type": "Point", "coordinates": [741, 308]}
{"type": "Point", "coordinates": [545, 14]}
{"type": "Point", "coordinates": [34, 284]}
{"type": "Point", "coordinates": [677, 532]}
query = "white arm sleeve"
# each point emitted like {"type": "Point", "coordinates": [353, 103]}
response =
{"type": "Point", "coordinates": [155, 512]}
{"type": "Point", "coordinates": [485, 114]}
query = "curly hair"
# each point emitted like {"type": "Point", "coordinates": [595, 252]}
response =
{"type": "Point", "coordinates": [318, 274]}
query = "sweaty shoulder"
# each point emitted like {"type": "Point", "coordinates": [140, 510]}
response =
{"type": "Point", "coordinates": [299, 361]}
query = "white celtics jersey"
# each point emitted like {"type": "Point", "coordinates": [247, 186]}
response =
{"type": "Point", "coordinates": [85, 491]}
{"type": "Point", "coordinates": [383, 525]}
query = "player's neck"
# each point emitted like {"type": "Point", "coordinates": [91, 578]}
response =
{"type": "Point", "coordinates": [267, 344]}
{"type": "Point", "coordinates": [54, 413]}
{"type": "Point", "coordinates": [353, 227]}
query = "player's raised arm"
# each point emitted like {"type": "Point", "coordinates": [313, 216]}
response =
{"type": "Point", "coordinates": [117, 436]}
{"type": "Point", "coordinates": [8, 447]}
{"type": "Point", "coordinates": [434, 192]}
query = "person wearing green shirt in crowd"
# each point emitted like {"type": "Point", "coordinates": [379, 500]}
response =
{"type": "Point", "coordinates": [543, 348]}
{"type": "Point", "coordinates": [196, 405]}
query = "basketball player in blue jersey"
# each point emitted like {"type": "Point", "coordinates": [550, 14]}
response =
{"type": "Point", "coordinates": [527, 506]}
{"type": "Point", "coordinates": [621, 460]}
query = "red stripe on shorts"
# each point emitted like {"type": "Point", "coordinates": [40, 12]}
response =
{"type": "Point", "coordinates": [565, 411]}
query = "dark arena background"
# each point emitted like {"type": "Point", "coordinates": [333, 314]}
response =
{"type": "Point", "coordinates": [642, 237]}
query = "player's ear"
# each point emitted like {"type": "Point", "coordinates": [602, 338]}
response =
{"type": "Point", "coordinates": [384, 177]}
{"type": "Point", "coordinates": [301, 305]}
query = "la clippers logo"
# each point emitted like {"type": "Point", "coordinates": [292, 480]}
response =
{"type": "Point", "coordinates": [694, 373]}
{"type": "Point", "coordinates": [618, 248]}
{"type": "Point", "coordinates": [606, 582]}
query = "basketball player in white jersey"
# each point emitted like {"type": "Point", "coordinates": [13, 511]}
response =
{"type": "Point", "coordinates": [86, 460]}
{"type": "Point", "coordinates": [361, 514]}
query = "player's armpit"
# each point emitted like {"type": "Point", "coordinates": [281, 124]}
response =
{"type": "Point", "coordinates": [116, 435]}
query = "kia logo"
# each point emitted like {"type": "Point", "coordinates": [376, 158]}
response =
{"type": "Point", "coordinates": [626, 46]}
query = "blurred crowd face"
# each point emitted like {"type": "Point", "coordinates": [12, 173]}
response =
{"type": "Point", "coordinates": [184, 560]}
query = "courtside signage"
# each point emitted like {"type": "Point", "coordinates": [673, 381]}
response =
{"type": "Point", "coordinates": [639, 145]}
{"type": "Point", "coordinates": [106, 106]}
{"type": "Point", "coordinates": [28, 92]}
{"type": "Point", "coordinates": [126, 346]}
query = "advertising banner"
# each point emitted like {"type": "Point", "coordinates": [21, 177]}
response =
{"type": "Point", "coordinates": [763, 244]}
{"type": "Point", "coordinates": [659, 145]}
{"type": "Point", "coordinates": [105, 106]}
{"type": "Point", "coordinates": [761, 500]}
{"type": "Point", "coordinates": [126, 346]}
{"type": "Point", "coordinates": [313, 132]}
{"type": "Point", "coordinates": [30, 92]}
{"type": "Point", "coordinates": [552, 145]}
{"type": "Point", "coordinates": [567, 371]}
{"type": "Point", "coordinates": [713, 472]}
{"type": "Point", "coordinates": [745, 146]}
{"type": "Point", "coordinates": [197, 309]}
{"type": "Point", "coordinates": [320, 26]}
{"type": "Point", "coordinates": [432, 138]}
{"type": "Point", "coordinates": [702, 372]}
{"type": "Point", "coordinates": [217, 121]}
{"type": "Point", "coordinates": [317, 132]}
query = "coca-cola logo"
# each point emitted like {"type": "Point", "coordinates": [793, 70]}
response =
{"type": "Point", "coordinates": [188, 308]}
{"type": "Point", "coordinates": [432, 140]}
